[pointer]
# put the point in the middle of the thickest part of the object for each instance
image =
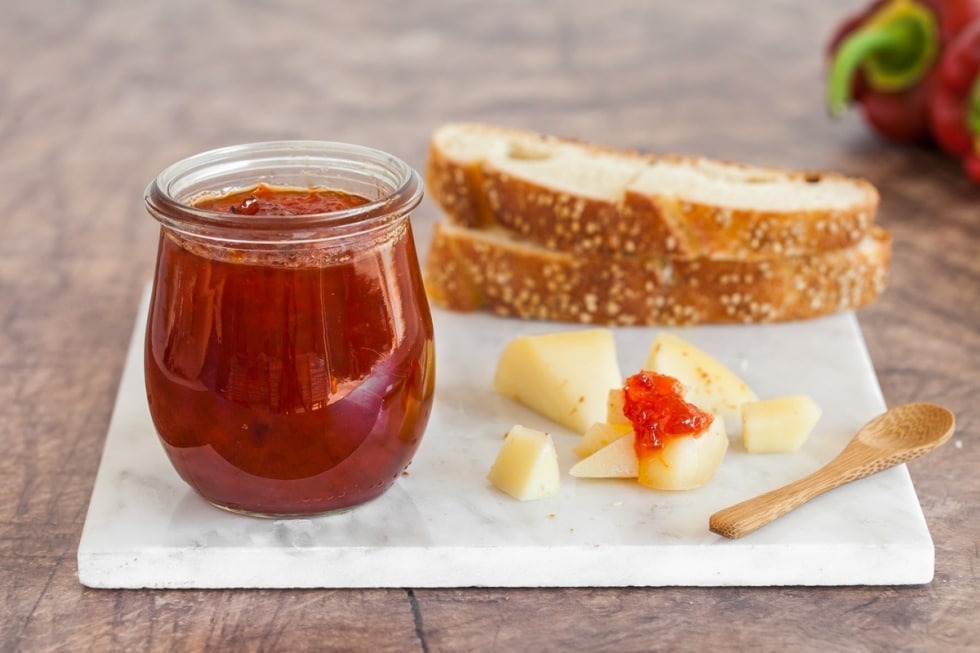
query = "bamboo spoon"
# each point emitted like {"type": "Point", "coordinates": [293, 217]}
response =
{"type": "Point", "coordinates": [901, 434]}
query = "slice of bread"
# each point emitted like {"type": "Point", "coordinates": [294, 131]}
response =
{"type": "Point", "coordinates": [491, 269]}
{"type": "Point", "coordinates": [578, 197]}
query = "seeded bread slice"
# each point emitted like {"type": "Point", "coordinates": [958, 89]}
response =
{"type": "Point", "coordinates": [490, 269]}
{"type": "Point", "coordinates": [579, 197]}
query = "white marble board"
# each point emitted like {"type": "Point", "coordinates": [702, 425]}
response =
{"type": "Point", "coordinates": [442, 525]}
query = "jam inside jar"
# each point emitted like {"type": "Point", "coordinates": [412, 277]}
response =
{"type": "Point", "coordinates": [289, 357]}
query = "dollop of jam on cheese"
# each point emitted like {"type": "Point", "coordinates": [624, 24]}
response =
{"type": "Point", "coordinates": [655, 405]}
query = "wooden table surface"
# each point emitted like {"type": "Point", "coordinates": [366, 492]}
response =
{"type": "Point", "coordinates": [97, 97]}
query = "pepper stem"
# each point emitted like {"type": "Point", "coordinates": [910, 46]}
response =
{"type": "Point", "coordinates": [895, 48]}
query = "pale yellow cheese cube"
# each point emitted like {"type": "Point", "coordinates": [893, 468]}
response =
{"type": "Point", "coordinates": [685, 463]}
{"type": "Point", "coordinates": [526, 466]}
{"type": "Point", "coordinates": [779, 425]}
{"type": "Point", "coordinates": [614, 408]}
{"type": "Point", "coordinates": [565, 376]}
{"type": "Point", "coordinates": [598, 436]}
{"type": "Point", "coordinates": [615, 460]}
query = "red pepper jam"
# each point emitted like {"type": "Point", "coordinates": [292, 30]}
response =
{"type": "Point", "coordinates": [282, 386]}
{"type": "Point", "coordinates": [654, 405]}
{"type": "Point", "coordinates": [271, 200]}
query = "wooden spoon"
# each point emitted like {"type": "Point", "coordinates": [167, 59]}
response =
{"type": "Point", "coordinates": [903, 433]}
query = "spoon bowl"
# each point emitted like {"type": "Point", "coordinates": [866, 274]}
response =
{"type": "Point", "coordinates": [894, 437]}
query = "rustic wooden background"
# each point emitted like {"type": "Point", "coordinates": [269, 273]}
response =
{"type": "Point", "coordinates": [97, 97]}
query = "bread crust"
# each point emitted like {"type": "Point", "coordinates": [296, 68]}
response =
{"type": "Point", "coordinates": [457, 186]}
{"type": "Point", "coordinates": [491, 270]}
{"type": "Point", "coordinates": [485, 184]}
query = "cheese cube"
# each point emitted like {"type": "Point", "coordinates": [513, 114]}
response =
{"type": "Point", "coordinates": [685, 463]}
{"type": "Point", "coordinates": [614, 408]}
{"type": "Point", "coordinates": [779, 425]}
{"type": "Point", "coordinates": [598, 436]}
{"type": "Point", "coordinates": [526, 466]}
{"type": "Point", "coordinates": [615, 460]}
{"type": "Point", "coordinates": [565, 376]}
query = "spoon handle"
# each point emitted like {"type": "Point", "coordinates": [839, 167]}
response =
{"type": "Point", "coordinates": [745, 517]}
{"type": "Point", "coordinates": [897, 436]}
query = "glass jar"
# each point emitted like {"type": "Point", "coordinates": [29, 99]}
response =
{"type": "Point", "coordinates": [289, 359]}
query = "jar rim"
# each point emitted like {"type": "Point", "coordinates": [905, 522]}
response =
{"type": "Point", "coordinates": [397, 187]}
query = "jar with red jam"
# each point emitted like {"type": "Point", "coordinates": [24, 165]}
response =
{"type": "Point", "coordinates": [289, 356]}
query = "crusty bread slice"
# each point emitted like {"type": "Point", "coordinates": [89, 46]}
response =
{"type": "Point", "coordinates": [469, 269]}
{"type": "Point", "coordinates": [573, 196]}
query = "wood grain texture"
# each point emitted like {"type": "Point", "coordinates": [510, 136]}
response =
{"type": "Point", "coordinates": [97, 97]}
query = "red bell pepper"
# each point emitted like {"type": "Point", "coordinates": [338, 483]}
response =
{"type": "Point", "coordinates": [886, 60]}
{"type": "Point", "coordinates": [955, 106]}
